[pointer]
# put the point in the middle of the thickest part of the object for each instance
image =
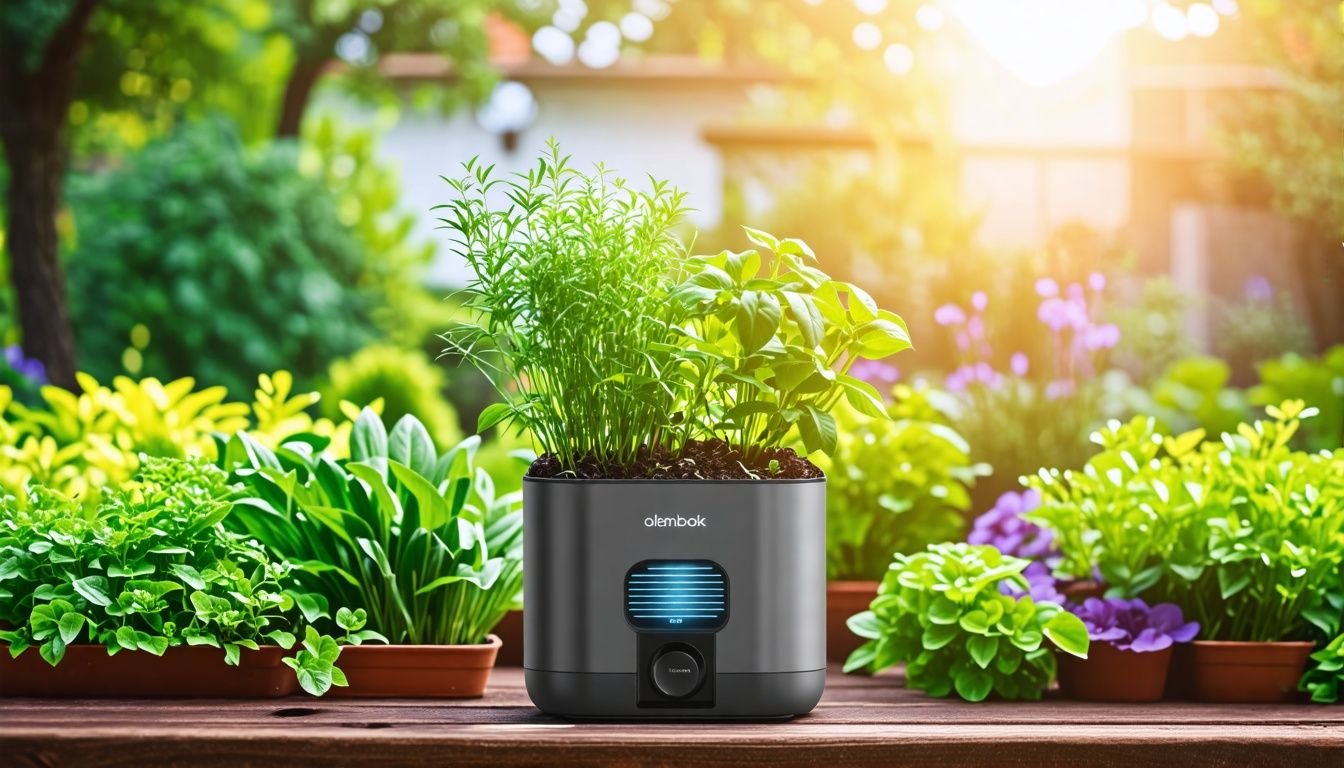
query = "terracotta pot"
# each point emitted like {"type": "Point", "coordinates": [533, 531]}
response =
{"type": "Point", "coordinates": [417, 671]}
{"type": "Point", "coordinates": [1078, 591]}
{"type": "Point", "coordinates": [1247, 672]}
{"type": "Point", "coordinates": [844, 599]}
{"type": "Point", "coordinates": [510, 631]}
{"type": "Point", "coordinates": [1110, 674]}
{"type": "Point", "coordinates": [184, 672]}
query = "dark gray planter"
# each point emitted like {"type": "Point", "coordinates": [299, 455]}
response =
{"type": "Point", "coordinates": [675, 599]}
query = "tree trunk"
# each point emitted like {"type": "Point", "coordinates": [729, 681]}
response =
{"type": "Point", "coordinates": [33, 106]}
{"type": "Point", "coordinates": [298, 90]}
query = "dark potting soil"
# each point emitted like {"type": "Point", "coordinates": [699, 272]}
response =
{"type": "Point", "coordinates": [701, 460]}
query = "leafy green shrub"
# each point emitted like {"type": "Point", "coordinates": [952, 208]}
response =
{"type": "Point", "coordinates": [229, 260]}
{"type": "Point", "coordinates": [147, 569]}
{"type": "Point", "coordinates": [1324, 679]}
{"type": "Point", "coordinates": [1245, 534]}
{"type": "Point", "coordinates": [612, 343]}
{"type": "Point", "coordinates": [943, 612]}
{"type": "Point", "coordinates": [76, 443]}
{"type": "Point", "coordinates": [1315, 380]}
{"type": "Point", "coordinates": [894, 485]}
{"type": "Point", "coordinates": [405, 381]}
{"type": "Point", "coordinates": [415, 538]}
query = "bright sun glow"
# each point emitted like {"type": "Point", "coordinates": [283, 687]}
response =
{"type": "Point", "coordinates": [1044, 42]}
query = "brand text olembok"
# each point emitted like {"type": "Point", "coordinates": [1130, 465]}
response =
{"type": "Point", "coordinates": [659, 521]}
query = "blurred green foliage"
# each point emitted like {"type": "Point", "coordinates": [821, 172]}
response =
{"type": "Point", "coordinates": [1152, 329]}
{"type": "Point", "coordinates": [406, 382]}
{"type": "Point", "coordinates": [211, 260]}
{"type": "Point", "coordinates": [894, 485]}
{"type": "Point", "coordinates": [1193, 392]}
{"type": "Point", "coordinates": [1319, 381]}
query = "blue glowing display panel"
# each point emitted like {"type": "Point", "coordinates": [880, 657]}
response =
{"type": "Point", "coordinates": [676, 595]}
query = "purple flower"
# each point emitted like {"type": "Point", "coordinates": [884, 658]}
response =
{"type": "Point", "coordinates": [1130, 625]}
{"type": "Point", "coordinates": [1059, 389]}
{"type": "Point", "coordinates": [1046, 287]}
{"type": "Point", "coordinates": [1258, 288]}
{"type": "Point", "coordinates": [1075, 292]}
{"type": "Point", "coordinates": [1059, 314]}
{"type": "Point", "coordinates": [28, 367]}
{"type": "Point", "coordinates": [975, 328]}
{"type": "Point", "coordinates": [1097, 282]}
{"type": "Point", "coordinates": [875, 372]}
{"type": "Point", "coordinates": [1003, 526]}
{"type": "Point", "coordinates": [1041, 585]}
{"type": "Point", "coordinates": [958, 380]}
{"type": "Point", "coordinates": [963, 340]}
{"type": "Point", "coordinates": [1098, 337]}
{"type": "Point", "coordinates": [949, 314]}
{"type": "Point", "coordinates": [979, 300]}
{"type": "Point", "coordinates": [1020, 364]}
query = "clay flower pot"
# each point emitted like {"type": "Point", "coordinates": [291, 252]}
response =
{"type": "Point", "coordinates": [1110, 674]}
{"type": "Point", "coordinates": [1247, 672]}
{"type": "Point", "coordinates": [417, 671]}
{"type": "Point", "coordinates": [184, 672]}
{"type": "Point", "coordinates": [510, 631]}
{"type": "Point", "coordinates": [844, 599]}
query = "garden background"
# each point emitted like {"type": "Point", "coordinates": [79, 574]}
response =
{"type": "Point", "coordinates": [1085, 210]}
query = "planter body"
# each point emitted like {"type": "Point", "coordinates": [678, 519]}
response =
{"type": "Point", "coordinates": [1109, 674]}
{"type": "Point", "coordinates": [1247, 672]}
{"type": "Point", "coordinates": [510, 631]}
{"type": "Point", "coordinates": [844, 599]}
{"type": "Point", "coordinates": [417, 671]}
{"type": "Point", "coordinates": [184, 672]}
{"type": "Point", "coordinates": [589, 654]}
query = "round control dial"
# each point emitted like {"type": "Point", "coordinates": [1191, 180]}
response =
{"type": "Point", "coordinates": [676, 673]}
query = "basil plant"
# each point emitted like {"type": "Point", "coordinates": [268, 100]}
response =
{"type": "Point", "coordinates": [947, 614]}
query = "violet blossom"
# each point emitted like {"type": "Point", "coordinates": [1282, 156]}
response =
{"type": "Point", "coordinates": [1041, 585]}
{"type": "Point", "coordinates": [879, 373]}
{"type": "Point", "coordinates": [28, 367]}
{"type": "Point", "coordinates": [1097, 282]}
{"type": "Point", "coordinates": [1131, 625]}
{"type": "Point", "coordinates": [1020, 364]}
{"type": "Point", "coordinates": [949, 314]}
{"type": "Point", "coordinates": [1258, 289]}
{"type": "Point", "coordinates": [1046, 287]}
{"type": "Point", "coordinates": [1003, 527]}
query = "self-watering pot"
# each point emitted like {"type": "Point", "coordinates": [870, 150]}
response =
{"type": "Point", "coordinates": [671, 599]}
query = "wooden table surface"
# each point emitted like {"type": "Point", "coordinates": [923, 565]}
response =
{"type": "Point", "coordinates": [861, 721]}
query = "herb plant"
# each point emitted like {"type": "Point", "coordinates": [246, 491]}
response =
{"type": "Point", "coordinates": [893, 485]}
{"type": "Point", "coordinates": [1244, 533]}
{"type": "Point", "coordinates": [607, 342]}
{"type": "Point", "coordinates": [414, 541]}
{"type": "Point", "coordinates": [146, 569]}
{"type": "Point", "coordinates": [1324, 678]}
{"type": "Point", "coordinates": [943, 612]}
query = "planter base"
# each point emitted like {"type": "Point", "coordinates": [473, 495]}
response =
{"type": "Point", "coordinates": [417, 671]}
{"type": "Point", "coordinates": [1109, 674]}
{"type": "Point", "coordinates": [184, 672]}
{"type": "Point", "coordinates": [1247, 673]}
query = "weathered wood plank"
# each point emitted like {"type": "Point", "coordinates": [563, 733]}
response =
{"type": "Point", "coordinates": [861, 721]}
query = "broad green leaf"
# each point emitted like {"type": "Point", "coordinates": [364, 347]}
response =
{"type": "Point", "coordinates": [94, 589]}
{"type": "Point", "coordinates": [982, 649]}
{"type": "Point", "coordinates": [757, 319]}
{"type": "Point", "coordinates": [865, 625]}
{"type": "Point", "coordinates": [861, 656]}
{"type": "Point", "coordinates": [818, 430]}
{"type": "Point", "coordinates": [410, 444]}
{"type": "Point", "coordinates": [974, 684]}
{"type": "Point", "coordinates": [368, 438]}
{"type": "Point", "coordinates": [71, 624]}
{"type": "Point", "coordinates": [1068, 633]}
{"type": "Point", "coordinates": [493, 414]}
{"type": "Point", "coordinates": [936, 636]}
{"type": "Point", "coordinates": [803, 310]}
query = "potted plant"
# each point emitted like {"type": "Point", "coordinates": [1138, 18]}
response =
{"type": "Point", "coordinates": [1130, 652]}
{"type": "Point", "coordinates": [1242, 533]}
{"type": "Point", "coordinates": [946, 613]}
{"type": "Point", "coordinates": [141, 593]}
{"type": "Point", "coordinates": [414, 542]}
{"type": "Point", "coordinates": [1325, 679]}
{"type": "Point", "coordinates": [646, 377]}
{"type": "Point", "coordinates": [892, 485]}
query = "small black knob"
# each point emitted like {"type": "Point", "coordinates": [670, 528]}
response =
{"type": "Point", "coordinates": [676, 673]}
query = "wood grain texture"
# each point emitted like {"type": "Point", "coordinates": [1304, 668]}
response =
{"type": "Point", "coordinates": [860, 722]}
